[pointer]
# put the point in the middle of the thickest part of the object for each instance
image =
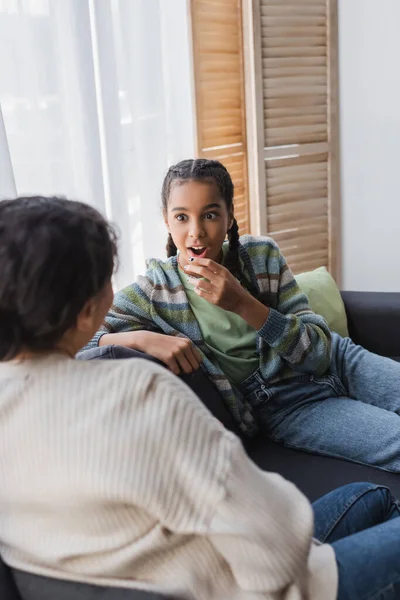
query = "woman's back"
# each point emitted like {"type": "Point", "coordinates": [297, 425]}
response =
{"type": "Point", "coordinates": [84, 468]}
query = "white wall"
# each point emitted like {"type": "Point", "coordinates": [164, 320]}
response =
{"type": "Point", "coordinates": [369, 43]}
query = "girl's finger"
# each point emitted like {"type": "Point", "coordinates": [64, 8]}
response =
{"type": "Point", "coordinates": [206, 286]}
{"type": "Point", "coordinates": [173, 366]}
{"type": "Point", "coordinates": [184, 364]}
{"type": "Point", "coordinates": [206, 295]}
{"type": "Point", "coordinates": [208, 263]}
{"type": "Point", "coordinates": [191, 357]}
{"type": "Point", "coordinates": [200, 270]}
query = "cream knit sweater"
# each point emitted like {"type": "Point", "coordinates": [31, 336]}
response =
{"type": "Point", "coordinates": [115, 473]}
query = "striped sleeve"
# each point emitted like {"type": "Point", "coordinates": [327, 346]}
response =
{"type": "Point", "coordinates": [130, 311]}
{"type": "Point", "coordinates": [301, 337]}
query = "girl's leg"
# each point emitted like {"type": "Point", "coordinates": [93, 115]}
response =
{"type": "Point", "coordinates": [352, 412]}
{"type": "Point", "coordinates": [353, 508]}
{"type": "Point", "coordinates": [313, 414]}
{"type": "Point", "coordinates": [354, 519]}
{"type": "Point", "coordinates": [366, 376]}
{"type": "Point", "coordinates": [368, 563]}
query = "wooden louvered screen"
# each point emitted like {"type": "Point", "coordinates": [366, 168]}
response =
{"type": "Point", "coordinates": [219, 92]}
{"type": "Point", "coordinates": [295, 60]}
{"type": "Point", "coordinates": [298, 209]}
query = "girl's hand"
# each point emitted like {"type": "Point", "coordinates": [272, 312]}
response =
{"type": "Point", "coordinates": [179, 354]}
{"type": "Point", "coordinates": [221, 289]}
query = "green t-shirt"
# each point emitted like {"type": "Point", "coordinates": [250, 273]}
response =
{"type": "Point", "coordinates": [230, 338]}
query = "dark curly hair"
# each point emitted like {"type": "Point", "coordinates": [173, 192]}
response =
{"type": "Point", "coordinates": [55, 254]}
{"type": "Point", "coordinates": [202, 169]}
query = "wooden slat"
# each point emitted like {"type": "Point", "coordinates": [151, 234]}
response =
{"type": "Point", "coordinates": [310, 31]}
{"type": "Point", "coordinates": [296, 174]}
{"type": "Point", "coordinates": [294, 111]}
{"type": "Point", "coordinates": [280, 73]}
{"type": "Point", "coordinates": [294, 2]}
{"type": "Point", "coordinates": [310, 263]}
{"type": "Point", "coordinates": [303, 228]}
{"type": "Point", "coordinates": [310, 254]}
{"type": "Point", "coordinates": [293, 11]}
{"type": "Point", "coordinates": [299, 82]}
{"type": "Point", "coordinates": [300, 160]}
{"type": "Point", "coordinates": [301, 51]}
{"type": "Point", "coordinates": [299, 120]}
{"type": "Point", "coordinates": [283, 216]}
{"type": "Point", "coordinates": [293, 62]}
{"type": "Point", "coordinates": [302, 135]}
{"type": "Point", "coordinates": [298, 248]}
{"type": "Point", "coordinates": [292, 192]}
{"type": "Point", "coordinates": [288, 20]}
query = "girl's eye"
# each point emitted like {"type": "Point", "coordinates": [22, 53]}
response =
{"type": "Point", "coordinates": [181, 217]}
{"type": "Point", "coordinates": [210, 216]}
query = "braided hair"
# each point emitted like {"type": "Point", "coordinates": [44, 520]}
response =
{"type": "Point", "coordinates": [202, 169]}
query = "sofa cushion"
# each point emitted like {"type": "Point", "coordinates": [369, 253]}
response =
{"type": "Point", "coordinates": [324, 298]}
{"type": "Point", "coordinates": [315, 475]}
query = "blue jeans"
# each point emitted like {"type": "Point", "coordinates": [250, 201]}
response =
{"type": "Point", "coordinates": [361, 523]}
{"type": "Point", "coordinates": [352, 412]}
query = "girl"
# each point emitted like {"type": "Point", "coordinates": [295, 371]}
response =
{"type": "Point", "coordinates": [115, 474]}
{"type": "Point", "coordinates": [234, 308]}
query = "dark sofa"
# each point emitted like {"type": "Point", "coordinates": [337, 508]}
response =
{"type": "Point", "coordinates": [374, 322]}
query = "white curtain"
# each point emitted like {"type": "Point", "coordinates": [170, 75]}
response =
{"type": "Point", "coordinates": [95, 103]}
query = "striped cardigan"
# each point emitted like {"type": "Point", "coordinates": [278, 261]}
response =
{"type": "Point", "coordinates": [292, 340]}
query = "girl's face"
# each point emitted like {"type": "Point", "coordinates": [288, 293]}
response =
{"type": "Point", "coordinates": [197, 219]}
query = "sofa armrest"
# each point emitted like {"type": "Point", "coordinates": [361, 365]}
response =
{"type": "Point", "coordinates": [374, 321]}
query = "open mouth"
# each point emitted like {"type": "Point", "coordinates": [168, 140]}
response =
{"type": "Point", "coordinates": [198, 251]}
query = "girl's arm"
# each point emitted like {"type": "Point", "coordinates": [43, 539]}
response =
{"type": "Point", "coordinates": [301, 337]}
{"type": "Point", "coordinates": [129, 323]}
{"type": "Point", "coordinates": [292, 329]}
{"type": "Point", "coordinates": [127, 320]}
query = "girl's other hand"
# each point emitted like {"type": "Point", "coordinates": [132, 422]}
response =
{"type": "Point", "coordinates": [179, 354]}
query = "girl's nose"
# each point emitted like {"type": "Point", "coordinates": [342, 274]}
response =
{"type": "Point", "coordinates": [197, 230]}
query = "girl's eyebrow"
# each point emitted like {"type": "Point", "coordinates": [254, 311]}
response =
{"type": "Point", "coordinates": [207, 207]}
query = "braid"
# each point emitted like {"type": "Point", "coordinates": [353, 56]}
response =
{"type": "Point", "coordinates": [233, 237]}
{"type": "Point", "coordinates": [232, 261]}
{"type": "Point", "coordinates": [170, 247]}
{"type": "Point", "coordinates": [232, 256]}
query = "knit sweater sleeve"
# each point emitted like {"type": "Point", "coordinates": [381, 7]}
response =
{"type": "Point", "coordinates": [199, 480]}
{"type": "Point", "coordinates": [263, 528]}
{"type": "Point", "coordinates": [130, 311]}
{"type": "Point", "coordinates": [301, 337]}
